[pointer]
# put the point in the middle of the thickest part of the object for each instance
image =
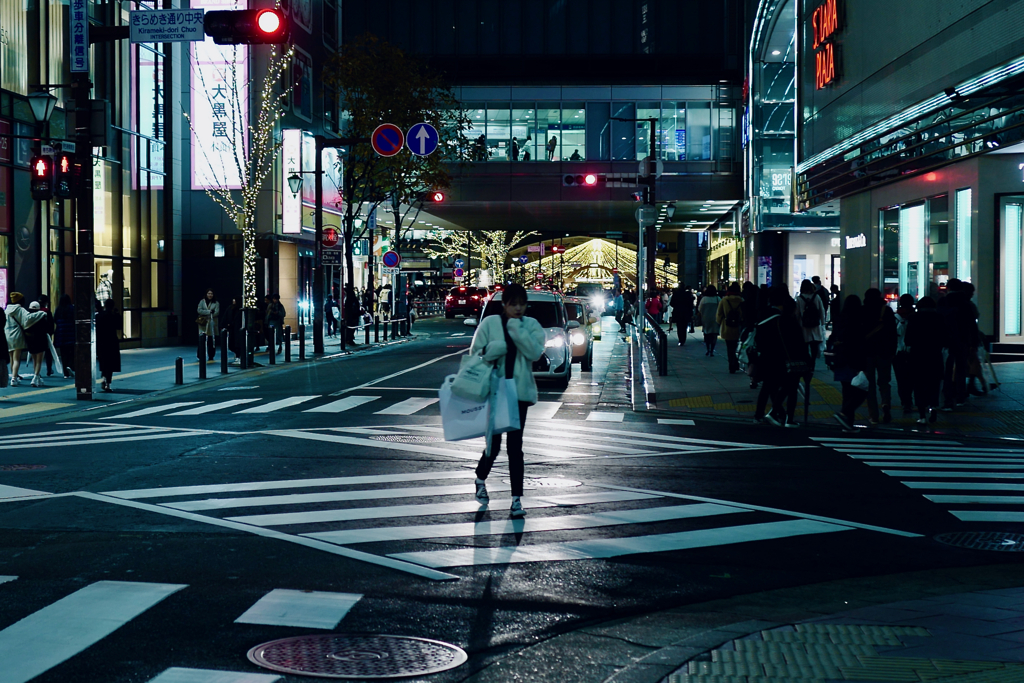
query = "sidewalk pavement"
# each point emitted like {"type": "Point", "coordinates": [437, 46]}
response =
{"type": "Point", "coordinates": [698, 385]}
{"type": "Point", "coordinates": [150, 370]}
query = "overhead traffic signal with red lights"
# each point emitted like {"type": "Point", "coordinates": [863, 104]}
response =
{"type": "Point", "coordinates": [582, 180]}
{"type": "Point", "coordinates": [246, 27]}
{"type": "Point", "coordinates": [42, 177]}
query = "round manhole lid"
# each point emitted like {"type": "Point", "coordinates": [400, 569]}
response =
{"type": "Point", "coordinates": [1002, 541]}
{"type": "Point", "coordinates": [358, 656]}
{"type": "Point", "coordinates": [547, 483]}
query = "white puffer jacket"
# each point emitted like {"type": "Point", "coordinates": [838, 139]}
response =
{"type": "Point", "coordinates": [528, 336]}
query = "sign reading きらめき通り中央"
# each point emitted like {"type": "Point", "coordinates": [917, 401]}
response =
{"type": "Point", "coordinates": [856, 242]}
{"type": "Point", "coordinates": [166, 25]}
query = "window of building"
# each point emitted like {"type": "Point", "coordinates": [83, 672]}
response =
{"type": "Point", "coordinates": [598, 130]}
{"type": "Point", "coordinates": [477, 133]}
{"type": "Point", "coordinates": [574, 131]}
{"type": "Point", "coordinates": [523, 124]}
{"type": "Point", "coordinates": [698, 131]}
{"type": "Point", "coordinates": [499, 134]}
{"type": "Point", "coordinates": [938, 245]}
{"type": "Point", "coordinates": [1012, 217]}
{"type": "Point", "coordinates": [889, 258]}
{"type": "Point", "coordinates": [549, 124]}
{"type": "Point", "coordinates": [963, 234]}
{"type": "Point", "coordinates": [672, 131]}
{"type": "Point", "coordinates": [647, 110]}
{"type": "Point", "coordinates": [912, 251]}
{"type": "Point", "coordinates": [623, 132]}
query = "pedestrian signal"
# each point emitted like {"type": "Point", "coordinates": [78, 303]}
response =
{"type": "Point", "coordinates": [42, 177]}
{"type": "Point", "coordinates": [246, 27]}
{"type": "Point", "coordinates": [64, 169]}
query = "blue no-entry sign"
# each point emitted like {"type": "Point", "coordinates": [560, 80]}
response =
{"type": "Point", "coordinates": [387, 139]}
{"type": "Point", "coordinates": [422, 139]}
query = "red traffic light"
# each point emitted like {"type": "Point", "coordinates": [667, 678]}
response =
{"type": "Point", "coordinates": [246, 27]}
{"type": "Point", "coordinates": [269, 22]}
{"type": "Point", "coordinates": [64, 171]}
{"type": "Point", "coordinates": [41, 167]}
{"type": "Point", "coordinates": [42, 177]}
{"type": "Point", "coordinates": [437, 196]}
{"type": "Point", "coordinates": [590, 179]}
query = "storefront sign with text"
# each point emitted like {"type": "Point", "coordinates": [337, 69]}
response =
{"type": "Point", "coordinates": [856, 242]}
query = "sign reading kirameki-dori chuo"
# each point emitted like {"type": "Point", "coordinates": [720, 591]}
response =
{"type": "Point", "coordinates": [167, 25]}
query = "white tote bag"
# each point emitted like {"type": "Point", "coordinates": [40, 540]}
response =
{"type": "Point", "coordinates": [473, 381]}
{"type": "Point", "coordinates": [461, 418]}
{"type": "Point", "coordinates": [505, 407]}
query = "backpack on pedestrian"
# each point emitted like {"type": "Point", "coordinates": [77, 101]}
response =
{"type": "Point", "coordinates": [734, 317]}
{"type": "Point", "coordinates": [811, 317]}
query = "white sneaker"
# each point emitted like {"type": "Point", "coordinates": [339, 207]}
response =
{"type": "Point", "coordinates": [517, 508]}
{"type": "Point", "coordinates": [39, 379]}
{"type": "Point", "coordinates": [481, 491]}
{"type": "Point", "coordinates": [35, 381]}
{"type": "Point", "coordinates": [14, 382]}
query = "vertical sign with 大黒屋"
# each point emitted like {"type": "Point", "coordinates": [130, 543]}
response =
{"type": "Point", "coordinates": [291, 163]}
{"type": "Point", "coordinates": [79, 15]}
{"type": "Point", "coordinates": [825, 25]}
{"type": "Point", "coordinates": [220, 109]}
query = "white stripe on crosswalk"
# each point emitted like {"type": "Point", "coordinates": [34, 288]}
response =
{"type": "Point", "coordinates": [391, 511]}
{"type": "Point", "coordinates": [832, 442]}
{"type": "Point", "coordinates": [50, 437]}
{"type": "Point", "coordinates": [146, 435]}
{"type": "Point", "coordinates": [962, 486]}
{"type": "Point", "coordinates": [207, 489]}
{"type": "Point", "coordinates": [210, 407]}
{"type": "Point", "coordinates": [957, 462]}
{"type": "Point", "coordinates": [153, 409]}
{"type": "Point", "coordinates": [420, 449]}
{"type": "Point", "coordinates": [278, 405]}
{"type": "Point", "coordinates": [177, 674]}
{"type": "Point", "coordinates": [64, 628]}
{"type": "Point", "coordinates": [600, 416]}
{"type": "Point", "coordinates": [975, 500]}
{"type": "Point", "coordinates": [517, 526]}
{"type": "Point", "coordinates": [669, 421]}
{"type": "Point", "coordinates": [342, 404]}
{"type": "Point", "coordinates": [871, 459]}
{"type": "Point", "coordinates": [615, 547]}
{"type": "Point", "coordinates": [14, 492]}
{"type": "Point", "coordinates": [953, 475]}
{"type": "Point", "coordinates": [408, 406]}
{"type": "Point", "coordinates": [542, 410]}
{"type": "Point", "coordinates": [300, 609]}
{"type": "Point", "coordinates": [988, 515]}
{"type": "Point", "coordinates": [937, 451]}
{"type": "Point", "coordinates": [7, 579]}
{"type": "Point", "coordinates": [328, 497]}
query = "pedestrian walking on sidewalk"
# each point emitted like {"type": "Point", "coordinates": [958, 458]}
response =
{"type": "Point", "coordinates": [351, 305]}
{"type": "Point", "coordinates": [811, 312]}
{"type": "Point", "coordinates": [37, 328]}
{"type": "Point", "coordinates": [708, 309]}
{"type": "Point", "coordinates": [681, 304]}
{"type": "Point", "coordinates": [207, 322]}
{"type": "Point", "coordinates": [14, 332]}
{"type": "Point", "coordinates": [781, 358]}
{"type": "Point", "coordinates": [64, 334]}
{"type": "Point", "coordinates": [512, 342]}
{"type": "Point", "coordinates": [234, 323]}
{"type": "Point", "coordinates": [879, 347]}
{"type": "Point", "coordinates": [901, 366]}
{"type": "Point", "coordinates": [4, 353]}
{"type": "Point", "coordinates": [848, 347]}
{"type": "Point", "coordinates": [275, 322]}
{"type": "Point", "coordinates": [925, 338]}
{"type": "Point", "coordinates": [729, 316]}
{"type": "Point", "coordinates": [108, 343]}
{"type": "Point", "coordinates": [44, 306]}
{"type": "Point", "coordinates": [329, 319]}
{"type": "Point", "coordinates": [653, 306]}
{"type": "Point", "coordinates": [961, 323]}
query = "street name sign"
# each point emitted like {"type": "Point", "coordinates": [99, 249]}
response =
{"type": "Point", "coordinates": [387, 139]}
{"type": "Point", "coordinates": [422, 139]}
{"type": "Point", "coordinates": [330, 257]}
{"type": "Point", "coordinates": [167, 25]}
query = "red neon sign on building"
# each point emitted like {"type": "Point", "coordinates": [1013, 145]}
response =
{"type": "Point", "coordinates": [825, 24]}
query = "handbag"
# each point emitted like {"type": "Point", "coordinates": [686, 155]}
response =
{"type": "Point", "coordinates": [473, 380]}
{"type": "Point", "coordinates": [203, 320]}
{"type": "Point", "coordinates": [860, 381]}
{"type": "Point", "coordinates": [504, 404]}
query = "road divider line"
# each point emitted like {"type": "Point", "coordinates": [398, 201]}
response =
{"type": "Point", "coordinates": [399, 373]}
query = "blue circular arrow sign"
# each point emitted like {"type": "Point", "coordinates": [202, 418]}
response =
{"type": "Point", "coordinates": [422, 139]}
{"type": "Point", "coordinates": [524, 258]}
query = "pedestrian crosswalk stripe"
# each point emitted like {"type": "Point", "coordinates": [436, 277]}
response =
{"type": "Point", "coordinates": [419, 448]}
{"type": "Point", "coordinates": [615, 547]}
{"type": "Point", "coordinates": [668, 421]}
{"type": "Point", "coordinates": [153, 409]}
{"type": "Point", "coordinates": [408, 406]}
{"type": "Point", "coordinates": [963, 486]}
{"type": "Point", "coordinates": [534, 438]}
{"type": "Point", "coordinates": [969, 458]}
{"type": "Point", "coordinates": [988, 500]}
{"type": "Point", "coordinates": [430, 509]}
{"type": "Point", "coordinates": [918, 450]}
{"type": "Point", "coordinates": [831, 441]}
{"type": "Point", "coordinates": [143, 435]}
{"type": "Point", "coordinates": [328, 497]}
{"type": "Point", "coordinates": [53, 436]}
{"type": "Point", "coordinates": [206, 489]}
{"type": "Point", "coordinates": [954, 475]}
{"type": "Point", "coordinates": [278, 405]}
{"type": "Point", "coordinates": [14, 492]}
{"type": "Point", "coordinates": [543, 410]}
{"type": "Point", "coordinates": [64, 628]}
{"type": "Point", "coordinates": [532, 524]}
{"type": "Point", "coordinates": [989, 515]}
{"type": "Point", "coordinates": [179, 674]}
{"type": "Point", "coordinates": [210, 407]}
{"type": "Point", "coordinates": [980, 464]}
{"type": "Point", "coordinates": [598, 416]}
{"type": "Point", "coordinates": [342, 404]}
{"type": "Point", "coordinates": [8, 579]}
{"type": "Point", "coordinates": [300, 609]}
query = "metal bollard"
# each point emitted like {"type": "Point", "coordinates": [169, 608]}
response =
{"type": "Point", "coordinates": [179, 371]}
{"type": "Point", "coordinates": [302, 342]}
{"type": "Point", "coordinates": [272, 353]}
{"type": "Point", "coordinates": [202, 358]}
{"type": "Point", "coordinates": [376, 329]}
{"type": "Point", "coordinates": [385, 330]}
{"type": "Point", "coordinates": [224, 353]}
{"type": "Point", "coordinates": [366, 334]}
{"type": "Point", "coordinates": [287, 343]}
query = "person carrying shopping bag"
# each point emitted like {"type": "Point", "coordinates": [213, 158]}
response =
{"type": "Point", "coordinates": [512, 342]}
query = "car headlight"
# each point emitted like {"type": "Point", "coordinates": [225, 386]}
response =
{"type": "Point", "coordinates": [554, 343]}
{"type": "Point", "coordinates": [578, 339]}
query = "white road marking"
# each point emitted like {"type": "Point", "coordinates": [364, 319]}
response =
{"type": "Point", "coordinates": [910, 450]}
{"type": "Point", "coordinates": [327, 497]}
{"type": "Point", "coordinates": [408, 406]}
{"type": "Point", "coordinates": [57, 632]}
{"type": "Point", "coordinates": [7, 579]}
{"type": "Point", "coordinates": [342, 404]}
{"type": "Point", "coordinates": [300, 609]}
{"type": "Point", "coordinates": [532, 524]}
{"type": "Point", "coordinates": [669, 421]}
{"type": "Point", "coordinates": [210, 407]}
{"type": "Point", "coordinates": [177, 674]}
{"type": "Point", "coordinates": [909, 460]}
{"type": "Point", "coordinates": [957, 462]}
{"type": "Point", "coordinates": [207, 489]}
{"type": "Point", "coordinates": [153, 409]}
{"type": "Point", "coordinates": [399, 373]}
{"type": "Point", "coordinates": [962, 486]}
{"type": "Point", "coordinates": [598, 416]}
{"type": "Point", "coordinates": [417, 448]}
{"type": "Point", "coordinates": [278, 405]}
{"type": "Point", "coordinates": [146, 434]}
{"type": "Point", "coordinates": [553, 434]}
{"type": "Point", "coordinates": [988, 515]}
{"type": "Point", "coordinates": [542, 410]}
{"type": "Point", "coordinates": [974, 500]}
{"type": "Point", "coordinates": [61, 434]}
{"type": "Point", "coordinates": [430, 509]}
{"type": "Point", "coordinates": [832, 442]}
{"type": "Point", "coordinates": [616, 547]}
{"type": "Point", "coordinates": [16, 492]}
{"type": "Point", "coordinates": [953, 475]}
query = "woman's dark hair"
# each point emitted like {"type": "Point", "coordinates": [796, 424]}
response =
{"type": "Point", "coordinates": [851, 306]}
{"type": "Point", "coordinates": [109, 307]}
{"type": "Point", "coordinates": [926, 303]}
{"type": "Point", "coordinates": [710, 290]}
{"type": "Point", "coordinates": [513, 294]}
{"type": "Point", "coordinates": [907, 301]}
{"type": "Point", "coordinates": [64, 307]}
{"type": "Point", "coordinates": [873, 299]}
{"type": "Point", "coordinates": [734, 288]}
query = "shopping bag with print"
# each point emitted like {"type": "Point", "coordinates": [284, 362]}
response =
{"type": "Point", "coordinates": [473, 381]}
{"type": "Point", "coordinates": [461, 418]}
{"type": "Point", "coordinates": [505, 407]}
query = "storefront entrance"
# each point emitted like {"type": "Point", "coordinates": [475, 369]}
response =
{"type": "Point", "coordinates": [915, 250]}
{"type": "Point", "coordinates": [1011, 213]}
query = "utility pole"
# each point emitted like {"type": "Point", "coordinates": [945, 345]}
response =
{"type": "Point", "coordinates": [649, 236]}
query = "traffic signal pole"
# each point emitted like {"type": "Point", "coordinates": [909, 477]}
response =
{"type": "Point", "coordinates": [84, 262]}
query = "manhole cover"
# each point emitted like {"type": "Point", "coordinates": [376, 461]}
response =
{"type": "Point", "coordinates": [18, 468]}
{"type": "Point", "coordinates": [546, 483]}
{"type": "Point", "coordinates": [984, 540]}
{"type": "Point", "coordinates": [357, 656]}
{"type": "Point", "coordinates": [400, 438]}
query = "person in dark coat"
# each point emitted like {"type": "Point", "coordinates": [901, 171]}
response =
{"type": "Point", "coordinates": [880, 348]}
{"type": "Point", "coordinates": [682, 310]}
{"type": "Point", "coordinates": [329, 320]}
{"type": "Point", "coordinates": [925, 337]}
{"type": "Point", "coordinates": [352, 308]}
{"type": "Point", "coordinates": [108, 343]}
{"type": "Point", "coordinates": [781, 358]}
{"type": "Point", "coordinates": [234, 324]}
{"type": "Point", "coordinates": [834, 305]}
{"type": "Point", "coordinates": [848, 332]}
{"type": "Point", "coordinates": [961, 337]}
{"type": "Point", "coordinates": [901, 361]}
{"type": "Point", "coordinates": [64, 334]}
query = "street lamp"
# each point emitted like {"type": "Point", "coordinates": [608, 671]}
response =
{"type": "Point", "coordinates": [42, 104]}
{"type": "Point", "coordinates": [295, 182]}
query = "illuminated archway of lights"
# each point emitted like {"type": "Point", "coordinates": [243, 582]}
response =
{"type": "Point", "coordinates": [594, 260]}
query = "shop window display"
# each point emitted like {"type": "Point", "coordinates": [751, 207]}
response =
{"type": "Point", "coordinates": [499, 134]}
{"type": "Point", "coordinates": [523, 146]}
{"type": "Point", "coordinates": [938, 245]}
{"type": "Point", "coordinates": [549, 124]}
{"type": "Point", "coordinates": [574, 131]}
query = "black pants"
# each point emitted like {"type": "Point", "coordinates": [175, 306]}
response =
{"type": "Point", "coordinates": [927, 377]}
{"type": "Point", "coordinates": [709, 341]}
{"type": "Point", "coordinates": [954, 384]}
{"type": "Point", "coordinates": [681, 330]}
{"type": "Point", "coordinates": [773, 387]}
{"type": "Point", "coordinates": [904, 372]}
{"type": "Point", "coordinates": [67, 358]}
{"type": "Point", "coordinates": [879, 372]}
{"type": "Point", "coordinates": [852, 399]}
{"type": "Point", "coordinates": [731, 345]}
{"type": "Point", "coordinates": [514, 449]}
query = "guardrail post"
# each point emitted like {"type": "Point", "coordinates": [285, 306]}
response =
{"type": "Point", "coordinates": [302, 342]}
{"type": "Point", "coordinates": [179, 371]}
{"type": "Point", "coordinates": [287, 343]}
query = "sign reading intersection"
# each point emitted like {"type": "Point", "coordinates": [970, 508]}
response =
{"type": "Point", "coordinates": [167, 25]}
